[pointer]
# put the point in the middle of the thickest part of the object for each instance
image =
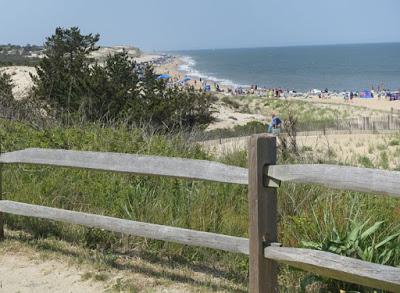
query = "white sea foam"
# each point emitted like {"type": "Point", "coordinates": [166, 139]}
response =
{"type": "Point", "coordinates": [188, 66]}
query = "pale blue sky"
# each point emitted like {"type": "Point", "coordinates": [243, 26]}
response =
{"type": "Point", "coordinates": [188, 24]}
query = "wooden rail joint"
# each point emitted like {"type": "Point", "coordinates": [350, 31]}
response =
{"type": "Point", "coordinates": [269, 181]}
{"type": "Point", "coordinates": [271, 244]}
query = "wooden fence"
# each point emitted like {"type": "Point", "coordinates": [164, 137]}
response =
{"type": "Point", "coordinates": [263, 178]}
{"type": "Point", "coordinates": [384, 123]}
{"type": "Point", "coordinates": [379, 123]}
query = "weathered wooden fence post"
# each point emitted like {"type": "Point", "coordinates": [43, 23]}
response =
{"type": "Point", "coordinates": [262, 214]}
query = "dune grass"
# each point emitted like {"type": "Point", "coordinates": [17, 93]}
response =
{"type": "Point", "coordinates": [306, 213]}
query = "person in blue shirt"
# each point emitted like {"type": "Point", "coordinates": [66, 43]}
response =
{"type": "Point", "coordinates": [275, 123]}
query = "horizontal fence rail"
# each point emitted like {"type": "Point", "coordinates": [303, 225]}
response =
{"type": "Point", "coordinates": [128, 163]}
{"type": "Point", "coordinates": [319, 262]}
{"type": "Point", "coordinates": [340, 177]}
{"type": "Point", "coordinates": [153, 231]}
{"type": "Point", "coordinates": [338, 267]}
{"type": "Point", "coordinates": [333, 176]}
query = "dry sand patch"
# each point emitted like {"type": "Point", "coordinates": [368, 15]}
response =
{"type": "Point", "coordinates": [25, 273]}
{"type": "Point", "coordinates": [345, 148]}
{"type": "Point", "coordinates": [21, 79]}
{"type": "Point", "coordinates": [62, 267]}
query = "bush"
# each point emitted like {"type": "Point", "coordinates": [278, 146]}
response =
{"type": "Point", "coordinates": [6, 96]}
{"type": "Point", "coordinates": [365, 162]}
{"type": "Point", "coordinates": [73, 88]}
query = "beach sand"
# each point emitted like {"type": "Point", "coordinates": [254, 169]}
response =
{"type": "Point", "coordinates": [20, 76]}
{"type": "Point", "coordinates": [374, 104]}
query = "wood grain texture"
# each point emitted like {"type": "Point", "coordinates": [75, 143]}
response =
{"type": "Point", "coordinates": [129, 163]}
{"type": "Point", "coordinates": [338, 267]}
{"type": "Point", "coordinates": [262, 215]}
{"type": "Point", "coordinates": [154, 231]}
{"type": "Point", "coordinates": [340, 177]}
{"type": "Point", "coordinates": [333, 176]}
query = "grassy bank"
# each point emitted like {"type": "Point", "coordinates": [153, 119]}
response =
{"type": "Point", "coordinates": [306, 213]}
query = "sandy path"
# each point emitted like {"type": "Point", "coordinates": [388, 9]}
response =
{"type": "Point", "coordinates": [57, 266]}
{"type": "Point", "coordinates": [20, 273]}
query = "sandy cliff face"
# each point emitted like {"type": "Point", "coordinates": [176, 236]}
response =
{"type": "Point", "coordinates": [101, 54]}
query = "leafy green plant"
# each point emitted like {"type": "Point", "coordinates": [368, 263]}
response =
{"type": "Point", "coordinates": [384, 160]}
{"type": "Point", "coordinates": [365, 162]}
{"type": "Point", "coordinates": [362, 242]}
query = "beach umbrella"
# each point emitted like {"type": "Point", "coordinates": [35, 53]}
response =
{"type": "Point", "coordinates": [186, 78]}
{"type": "Point", "coordinates": [366, 94]}
{"type": "Point", "coordinates": [164, 76]}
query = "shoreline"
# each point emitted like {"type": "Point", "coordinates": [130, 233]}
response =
{"type": "Point", "coordinates": [175, 63]}
{"type": "Point", "coordinates": [227, 117]}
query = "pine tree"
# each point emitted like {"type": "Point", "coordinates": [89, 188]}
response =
{"type": "Point", "coordinates": [62, 73]}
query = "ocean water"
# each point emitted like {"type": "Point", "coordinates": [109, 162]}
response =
{"type": "Point", "coordinates": [336, 67]}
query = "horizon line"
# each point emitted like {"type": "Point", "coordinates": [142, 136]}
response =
{"type": "Point", "coordinates": [279, 46]}
{"type": "Point", "coordinates": [226, 48]}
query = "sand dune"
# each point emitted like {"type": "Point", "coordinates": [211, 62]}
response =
{"type": "Point", "coordinates": [21, 79]}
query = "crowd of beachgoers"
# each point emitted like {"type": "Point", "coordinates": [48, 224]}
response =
{"type": "Point", "coordinates": [169, 68]}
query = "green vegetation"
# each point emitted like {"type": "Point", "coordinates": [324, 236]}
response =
{"type": "Point", "coordinates": [306, 113]}
{"type": "Point", "coordinates": [239, 130]}
{"type": "Point", "coordinates": [11, 55]}
{"type": "Point", "coordinates": [307, 213]}
{"type": "Point", "coordinates": [230, 102]}
{"type": "Point", "coordinates": [104, 107]}
{"type": "Point", "coordinates": [360, 242]}
{"type": "Point", "coordinates": [71, 88]}
{"type": "Point", "coordinates": [394, 142]}
{"type": "Point", "coordinates": [196, 205]}
{"type": "Point", "coordinates": [15, 109]}
{"type": "Point", "coordinates": [6, 95]}
{"type": "Point", "coordinates": [364, 161]}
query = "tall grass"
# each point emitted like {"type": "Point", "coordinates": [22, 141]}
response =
{"type": "Point", "coordinates": [306, 213]}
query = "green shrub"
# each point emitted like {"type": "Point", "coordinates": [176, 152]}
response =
{"type": "Point", "coordinates": [230, 102]}
{"type": "Point", "coordinates": [365, 162]}
{"type": "Point", "coordinates": [361, 242]}
{"type": "Point", "coordinates": [70, 87]}
{"type": "Point", "coordinates": [384, 160]}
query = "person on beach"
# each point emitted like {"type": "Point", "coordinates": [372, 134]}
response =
{"type": "Point", "coordinates": [275, 125]}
